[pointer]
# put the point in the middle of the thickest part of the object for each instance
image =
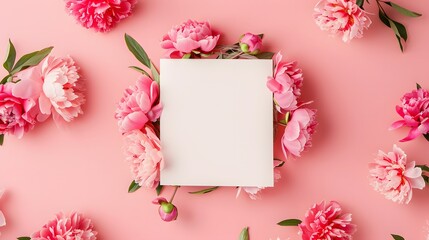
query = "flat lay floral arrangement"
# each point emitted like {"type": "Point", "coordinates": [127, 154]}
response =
{"type": "Point", "coordinates": [39, 85]}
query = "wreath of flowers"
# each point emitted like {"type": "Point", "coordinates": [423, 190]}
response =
{"type": "Point", "coordinates": [138, 112]}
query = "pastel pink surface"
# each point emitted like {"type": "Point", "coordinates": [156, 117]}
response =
{"type": "Point", "coordinates": [81, 166]}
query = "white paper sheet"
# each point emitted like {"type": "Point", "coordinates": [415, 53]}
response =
{"type": "Point", "coordinates": [217, 122]}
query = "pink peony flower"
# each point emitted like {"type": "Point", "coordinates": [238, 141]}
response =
{"type": "Point", "coordinates": [189, 36]}
{"type": "Point", "coordinates": [143, 153]}
{"type": "Point", "coordinates": [2, 218]}
{"type": "Point", "coordinates": [286, 83]}
{"type": "Point", "coordinates": [73, 227]}
{"type": "Point", "coordinates": [101, 15]}
{"type": "Point", "coordinates": [250, 43]}
{"type": "Point", "coordinates": [414, 110]}
{"type": "Point", "coordinates": [167, 211]}
{"type": "Point", "coordinates": [342, 17]}
{"type": "Point", "coordinates": [55, 83]}
{"type": "Point", "coordinates": [139, 105]}
{"type": "Point", "coordinates": [254, 192]}
{"type": "Point", "coordinates": [17, 115]}
{"type": "Point", "coordinates": [326, 221]}
{"type": "Point", "coordinates": [298, 132]}
{"type": "Point", "coordinates": [393, 177]}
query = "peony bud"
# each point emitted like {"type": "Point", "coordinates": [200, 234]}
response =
{"type": "Point", "coordinates": [167, 211]}
{"type": "Point", "coordinates": [250, 43]}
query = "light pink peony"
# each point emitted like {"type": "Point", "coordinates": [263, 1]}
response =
{"type": "Point", "coordinates": [286, 83]}
{"type": "Point", "coordinates": [254, 192]}
{"type": "Point", "coordinates": [101, 15]}
{"type": "Point", "coordinates": [17, 115]}
{"type": "Point", "coordinates": [250, 43]}
{"type": "Point", "coordinates": [73, 227]}
{"type": "Point", "coordinates": [298, 132]}
{"type": "Point", "coordinates": [2, 218]}
{"type": "Point", "coordinates": [342, 17]}
{"type": "Point", "coordinates": [139, 105]}
{"type": "Point", "coordinates": [414, 110]}
{"type": "Point", "coordinates": [393, 177]}
{"type": "Point", "coordinates": [143, 153]}
{"type": "Point", "coordinates": [326, 221]}
{"type": "Point", "coordinates": [189, 36]}
{"type": "Point", "coordinates": [55, 82]}
{"type": "Point", "coordinates": [167, 211]}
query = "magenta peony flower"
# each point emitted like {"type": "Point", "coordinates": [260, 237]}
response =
{"type": "Point", "coordinates": [253, 192]}
{"type": "Point", "coordinates": [139, 105]}
{"type": "Point", "coordinates": [286, 83]}
{"type": "Point", "coordinates": [393, 177]}
{"type": "Point", "coordinates": [342, 17]}
{"type": "Point", "coordinates": [189, 36]}
{"type": "Point", "coordinates": [250, 43]}
{"type": "Point", "coordinates": [143, 153]}
{"type": "Point", "coordinates": [17, 115]}
{"type": "Point", "coordinates": [326, 221]}
{"type": "Point", "coordinates": [298, 132]}
{"type": "Point", "coordinates": [101, 15]}
{"type": "Point", "coordinates": [55, 83]}
{"type": "Point", "coordinates": [167, 211]}
{"type": "Point", "coordinates": [414, 110]}
{"type": "Point", "coordinates": [2, 218]}
{"type": "Point", "coordinates": [73, 227]}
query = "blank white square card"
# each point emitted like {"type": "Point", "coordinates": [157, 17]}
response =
{"type": "Point", "coordinates": [217, 122]}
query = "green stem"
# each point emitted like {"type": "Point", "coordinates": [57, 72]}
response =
{"type": "Point", "coordinates": [174, 194]}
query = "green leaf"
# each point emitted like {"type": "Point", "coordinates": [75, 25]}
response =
{"type": "Point", "coordinates": [426, 178]}
{"type": "Point", "coordinates": [423, 167]}
{"type": "Point", "coordinates": [1, 139]}
{"type": "Point", "coordinates": [244, 235]}
{"type": "Point", "coordinates": [400, 43]}
{"type": "Point", "coordinates": [290, 222]}
{"type": "Point", "coordinates": [31, 59]}
{"type": "Point", "coordinates": [401, 29]}
{"type": "Point", "coordinates": [397, 237]}
{"type": "Point", "coordinates": [5, 79]}
{"type": "Point", "coordinates": [137, 50]}
{"type": "Point", "coordinates": [403, 10]}
{"type": "Point", "coordinates": [140, 70]}
{"type": "Point", "coordinates": [383, 18]}
{"type": "Point", "coordinates": [418, 86]}
{"type": "Point", "coordinates": [204, 191]}
{"type": "Point", "coordinates": [10, 57]}
{"type": "Point", "coordinates": [133, 187]}
{"type": "Point", "coordinates": [159, 189]}
{"type": "Point", "coordinates": [426, 136]}
{"type": "Point", "coordinates": [155, 73]}
{"type": "Point", "coordinates": [24, 238]}
{"type": "Point", "coordinates": [261, 35]}
{"type": "Point", "coordinates": [360, 3]}
{"type": "Point", "coordinates": [187, 56]}
{"type": "Point", "coordinates": [265, 55]}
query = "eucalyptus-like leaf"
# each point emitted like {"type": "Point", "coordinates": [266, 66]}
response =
{"type": "Point", "coordinates": [423, 167]}
{"type": "Point", "coordinates": [403, 10]}
{"type": "Point", "coordinates": [244, 235]}
{"type": "Point", "coordinates": [265, 55]}
{"type": "Point", "coordinates": [140, 70]}
{"type": "Point", "coordinates": [159, 189]}
{"type": "Point", "coordinates": [133, 187]}
{"type": "Point", "coordinates": [24, 238]}
{"type": "Point", "coordinates": [400, 43]}
{"type": "Point", "coordinates": [290, 222]}
{"type": "Point", "coordinates": [383, 17]}
{"type": "Point", "coordinates": [360, 3]}
{"type": "Point", "coordinates": [10, 57]}
{"type": "Point", "coordinates": [397, 237]}
{"type": "Point", "coordinates": [5, 79]}
{"type": "Point", "coordinates": [155, 73]}
{"type": "Point", "coordinates": [426, 178]}
{"type": "Point", "coordinates": [1, 139]}
{"type": "Point", "coordinates": [31, 59]}
{"type": "Point", "coordinates": [204, 191]}
{"type": "Point", "coordinates": [137, 50]}
{"type": "Point", "coordinates": [418, 86]}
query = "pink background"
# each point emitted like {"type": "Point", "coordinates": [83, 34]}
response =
{"type": "Point", "coordinates": [80, 167]}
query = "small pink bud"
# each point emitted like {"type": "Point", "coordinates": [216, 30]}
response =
{"type": "Point", "coordinates": [250, 43]}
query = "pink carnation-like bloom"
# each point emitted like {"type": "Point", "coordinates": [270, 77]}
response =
{"type": "Point", "coordinates": [414, 110]}
{"type": "Point", "coordinates": [286, 83]}
{"type": "Point", "coordinates": [55, 82]}
{"type": "Point", "coordinates": [17, 115]}
{"type": "Point", "coordinates": [326, 221]}
{"type": "Point", "coordinates": [393, 177]}
{"type": "Point", "coordinates": [189, 36]}
{"type": "Point", "coordinates": [101, 15]}
{"type": "Point", "coordinates": [143, 153]}
{"type": "Point", "coordinates": [298, 132]}
{"type": "Point", "coordinates": [342, 17]}
{"type": "Point", "coordinates": [2, 218]}
{"type": "Point", "coordinates": [73, 227]}
{"type": "Point", "coordinates": [139, 105]}
{"type": "Point", "coordinates": [254, 192]}
{"type": "Point", "coordinates": [250, 43]}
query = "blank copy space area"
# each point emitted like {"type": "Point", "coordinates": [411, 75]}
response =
{"type": "Point", "coordinates": [217, 124]}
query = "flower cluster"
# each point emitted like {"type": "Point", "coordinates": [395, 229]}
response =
{"type": "Point", "coordinates": [71, 227]}
{"type": "Point", "coordinates": [348, 18]}
{"type": "Point", "coordinates": [100, 15]}
{"type": "Point", "coordinates": [38, 86]}
{"type": "Point", "coordinates": [324, 220]}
